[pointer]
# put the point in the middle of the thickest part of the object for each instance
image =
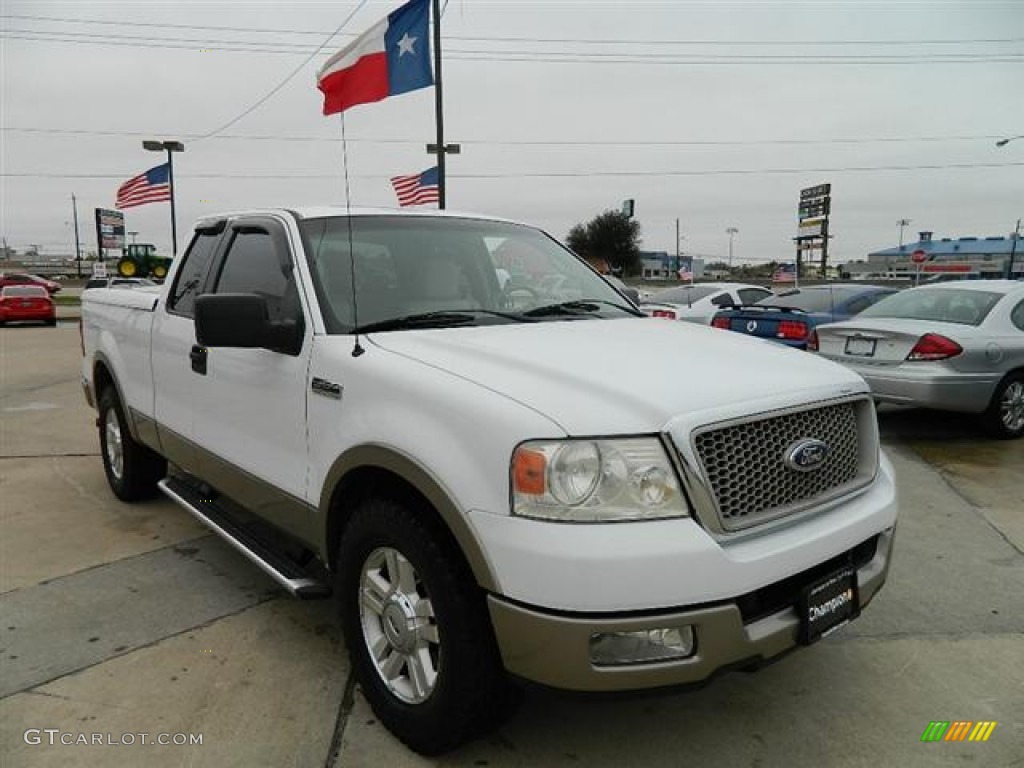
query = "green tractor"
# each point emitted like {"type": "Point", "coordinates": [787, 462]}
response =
{"type": "Point", "coordinates": [140, 260]}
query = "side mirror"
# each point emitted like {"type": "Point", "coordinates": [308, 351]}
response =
{"type": "Point", "coordinates": [242, 320]}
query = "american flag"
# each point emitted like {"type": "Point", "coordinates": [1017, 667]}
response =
{"type": "Point", "coordinates": [149, 187]}
{"type": "Point", "coordinates": [417, 188]}
{"type": "Point", "coordinates": [784, 273]}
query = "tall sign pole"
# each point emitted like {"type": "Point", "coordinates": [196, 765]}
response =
{"type": "Point", "coordinates": [813, 212]}
{"type": "Point", "coordinates": [439, 109]}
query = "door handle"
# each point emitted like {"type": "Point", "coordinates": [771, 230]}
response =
{"type": "Point", "coordinates": [198, 358]}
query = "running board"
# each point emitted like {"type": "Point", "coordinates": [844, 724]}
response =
{"type": "Point", "coordinates": [279, 567]}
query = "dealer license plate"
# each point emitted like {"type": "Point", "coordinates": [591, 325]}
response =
{"type": "Point", "coordinates": [860, 347]}
{"type": "Point", "coordinates": [828, 604]}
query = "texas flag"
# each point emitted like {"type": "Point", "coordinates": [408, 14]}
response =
{"type": "Point", "coordinates": [391, 57]}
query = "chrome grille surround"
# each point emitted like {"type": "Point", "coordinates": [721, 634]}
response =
{"type": "Point", "coordinates": [743, 474]}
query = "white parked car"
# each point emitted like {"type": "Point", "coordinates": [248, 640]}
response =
{"type": "Point", "coordinates": [699, 302]}
{"type": "Point", "coordinates": [494, 489]}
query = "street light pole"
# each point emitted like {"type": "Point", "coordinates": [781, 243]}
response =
{"type": "Point", "coordinates": [902, 223]}
{"type": "Point", "coordinates": [678, 265]}
{"type": "Point", "coordinates": [170, 147]}
{"type": "Point", "coordinates": [731, 231]}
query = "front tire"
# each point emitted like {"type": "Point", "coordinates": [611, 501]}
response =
{"type": "Point", "coordinates": [417, 629]}
{"type": "Point", "coordinates": [1005, 415]}
{"type": "Point", "coordinates": [132, 469]}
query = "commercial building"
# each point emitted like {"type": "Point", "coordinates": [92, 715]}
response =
{"type": "Point", "coordinates": [979, 257]}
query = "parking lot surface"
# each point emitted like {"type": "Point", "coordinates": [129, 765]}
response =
{"type": "Point", "coordinates": [132, 619]}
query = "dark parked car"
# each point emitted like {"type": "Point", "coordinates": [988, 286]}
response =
{"type": "Point", "coordinates": [790, 317]}
{"type": "Point", "coordinates": [24, 278]}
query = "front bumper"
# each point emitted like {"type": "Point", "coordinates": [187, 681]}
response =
{"type": "Point", "coordinates": [554, 649]}
{"type": "Point", "coordinates": [930, 386]}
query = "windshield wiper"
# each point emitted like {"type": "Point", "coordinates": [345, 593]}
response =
{"type": "Point", "coordinates": [442, 318]}
{"type": "Point", "coordinates": [578, 308]}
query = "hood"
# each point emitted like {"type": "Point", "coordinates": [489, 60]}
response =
{"type": "Point", "coordinates": [627, 376]}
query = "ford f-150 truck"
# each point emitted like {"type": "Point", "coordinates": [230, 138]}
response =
{"type": "Point", "coordinates": [501, 468]}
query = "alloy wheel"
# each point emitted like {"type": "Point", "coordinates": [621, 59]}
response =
{"type": "Point", "coordinates": [114, 447]}
{"type": "Point", "coordinates": [399, 626]}
{"type": "Point", "coordinates": [1011, 408]}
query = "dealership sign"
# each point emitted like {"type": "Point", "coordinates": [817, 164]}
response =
{"type": "Point", "coordinates": [109, 230]}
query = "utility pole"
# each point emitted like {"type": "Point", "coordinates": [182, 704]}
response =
{"type": "Point", "coordinates": [1013, 251]}
{"type": "Point", "coordinates": [78, 245]}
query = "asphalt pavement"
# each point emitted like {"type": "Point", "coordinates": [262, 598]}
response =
{"type": "Point", "coordinates": [118, 620]}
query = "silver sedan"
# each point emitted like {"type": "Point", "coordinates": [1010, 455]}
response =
{"type": "Point", "coordinates": [952, 346]}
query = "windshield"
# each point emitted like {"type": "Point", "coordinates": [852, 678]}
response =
{"type": "Point", "coordinates": [685, 294]}
{"type": "Point", "coordinates": [946, 305]}
{"type": "Point", "coordinates": [822, 299]}
{"type": "Point", "coordinates": [447, 271]}
{"type": "Point", "coordinates": [24, 290]}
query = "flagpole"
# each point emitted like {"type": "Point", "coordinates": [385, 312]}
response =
{"type": "Point", "coordinates": [438, 107]}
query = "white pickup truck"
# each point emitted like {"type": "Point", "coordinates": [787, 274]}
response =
{"type": "Point", "coordinates": [498, 465]}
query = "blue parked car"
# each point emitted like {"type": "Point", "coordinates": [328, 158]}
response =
{"type": "Point", "coordinates": [790, 317]}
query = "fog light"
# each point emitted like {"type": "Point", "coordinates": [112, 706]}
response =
{"type": "Point", "coordinates": [608, 649]}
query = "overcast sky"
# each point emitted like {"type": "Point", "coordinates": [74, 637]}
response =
{"type": "Point", "coordinates": [563, 109]}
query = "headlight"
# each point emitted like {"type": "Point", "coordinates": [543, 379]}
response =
{"type": "Point", "coordinates": [595, 481]}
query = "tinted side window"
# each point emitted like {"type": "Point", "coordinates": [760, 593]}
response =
{"type": "Point", "coordinates": [1017, 316]}
{"type": "Point", "coordinates": [190, 276]}
{"type": "Point", "coordinates": [252, 265]}
{"type": "Point", "coordinates": [753, 295]}
{"type": "Point", "coordinates": [858, 305]}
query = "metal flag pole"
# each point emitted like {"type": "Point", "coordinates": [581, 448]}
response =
{"type": "Point", "coordinates": [438, 107]}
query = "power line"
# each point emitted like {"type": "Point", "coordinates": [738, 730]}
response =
{"type": "Point", "coordinates": [259, 102]}
{"type": "Point", "coordinates": [286, 47]}
{"type": "Point", "coordinates": [525, 142]}
{"type": "Point", "coordinates": [549, 174]}
{"type": "Point", "coordinates": [552, 57]}
{"type": "Point", "coordinates": [515, 39]}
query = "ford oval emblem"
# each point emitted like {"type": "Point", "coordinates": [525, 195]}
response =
{"type": "Point", "coordinates": [806, 455]}
{"type": "Point", "coordinates": [752, 326]}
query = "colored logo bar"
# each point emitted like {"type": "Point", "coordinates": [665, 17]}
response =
{"type": "Point", "coordinates": [958, 730]}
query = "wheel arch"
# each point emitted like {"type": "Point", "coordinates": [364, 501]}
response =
{"type": "Point", "coordinates": [373, 469]}
{"type": "Point", "coordinates": [103, 377]}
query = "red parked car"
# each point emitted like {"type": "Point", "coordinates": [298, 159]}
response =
{"type": "Point", "coordinates": [24, 278]}
{"type": "Point", "coordinates": [26, 303]}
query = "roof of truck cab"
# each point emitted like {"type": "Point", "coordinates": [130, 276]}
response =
{"type": "Point", "coordinates": [324, 211]}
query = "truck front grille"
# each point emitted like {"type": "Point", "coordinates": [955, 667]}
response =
{"type": "Point", "coordinates": [744, 462]}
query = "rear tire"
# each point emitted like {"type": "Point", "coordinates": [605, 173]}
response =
{"type": "Point", "coordinates": [417, 628]}
{"type": "Point", "coordinates": [1004, 417]}
{"type": "Point", "coordinates": [132, 469]}
{"type": "Point", "coordinates": [128, 268]}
